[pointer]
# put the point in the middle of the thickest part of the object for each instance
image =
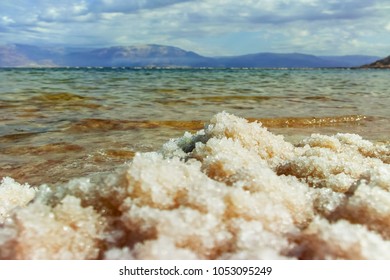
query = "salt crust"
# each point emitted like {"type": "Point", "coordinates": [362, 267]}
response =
{"type": "Point", "coordinates": [13, 195]}
{"type": "Point", "coordinates": [231, 191]}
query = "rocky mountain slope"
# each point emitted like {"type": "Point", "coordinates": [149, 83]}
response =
{"type": "Point", "coordinates": [382, 63]}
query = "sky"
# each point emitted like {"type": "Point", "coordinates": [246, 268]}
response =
{"type": "Point", "coordinates": [208, 27]}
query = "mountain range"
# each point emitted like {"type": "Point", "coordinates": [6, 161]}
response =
{"type": "Point", "coordinates": [19, 55]}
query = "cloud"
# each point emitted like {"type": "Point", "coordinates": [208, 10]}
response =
{"type": "Point", "coordinates": [284, 11]}
{"type": "Point", "coordinates": [228, 26]}
{"type": "Point", "coordinates": [7, 20]}
{"type": "Point", "coordinates": [124, 6]}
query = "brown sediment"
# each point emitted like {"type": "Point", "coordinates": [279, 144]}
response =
{"type": "Point", "coordinates": [123, 154]}
{"type": "Point", "coordinates": [310, 121]}
{"type": "Point", "coordinates": [59, 97]}
{"type": "Point", "coordinates": [61, 147]}
{"type": "Point", "coordinates": [18, 136]}
{"type": "Point", "coordinates": [33, 173]}
{"type": "Point", "coordinates": [31, 116]}
{"type": "Point", "coordinates": [215, 99]}
{"type": "Point", "coordinates": [49, 99]}
{"type": "Point", "coordinates": [6, 105]}
{"type": "Point", "coordinates": [87, 125]}
{"type": "Point", "coordinates": [48, 161]}
{"type": "Point", "coordinates": [57, 162]}
{"type": "Point", "coordinates": [113, 154]}
{"type": "Point", "coordinates": [62, 100]}
{"type": "Point", "coordinates": [228, 98]}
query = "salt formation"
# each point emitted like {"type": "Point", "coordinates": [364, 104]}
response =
{"type": "Point", "coordinates": [231, 191]}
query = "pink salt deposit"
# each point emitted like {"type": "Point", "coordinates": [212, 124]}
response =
{"type": "Point", "coordinates": [233, 190]}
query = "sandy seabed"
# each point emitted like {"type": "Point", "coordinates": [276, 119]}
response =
{"type": "Point", "coordinates": [233, 190]}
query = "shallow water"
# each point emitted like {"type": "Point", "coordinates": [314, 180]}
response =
{"type": "Point", "coordinates": [56, 124]}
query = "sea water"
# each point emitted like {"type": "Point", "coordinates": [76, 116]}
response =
{"type": "Point", "coordinates": [300, 171]}
{"type": "Point", "coordinates": [60, 123]}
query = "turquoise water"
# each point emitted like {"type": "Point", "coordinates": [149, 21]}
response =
{"type": "Point", "coordinates": [56, 123]}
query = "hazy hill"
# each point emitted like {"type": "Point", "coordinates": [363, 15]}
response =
{"type": "Point", "coordinates": [351, 60]}
{"type": "Point", "coordinates": [133, 56]}
{"type": "Point", "coordinates": [271, 60]}
{"type": "Point", "coordinates": [11, 57]}
{"type": "Point", "coordinates": [19, 55]}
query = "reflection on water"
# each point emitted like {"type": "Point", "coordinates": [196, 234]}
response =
{"type": "Point", "coordinates": [56, 124]}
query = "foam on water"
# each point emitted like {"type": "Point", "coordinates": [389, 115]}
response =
{"type": "Point", "coordinates": [233, 190]}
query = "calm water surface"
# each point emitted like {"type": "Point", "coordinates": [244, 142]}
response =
{"type": "Point", "coordinates": [56, 124]}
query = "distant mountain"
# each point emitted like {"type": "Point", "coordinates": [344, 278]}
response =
{"type": "Point", "coordinates": [19, 55]}
{"type": "Point", "coordinates": [351, 60]}
{"type": "Point", "coordinates": [272, 60]}
{"type": "Point", "coordinates": [382, 63]}
{"type": "Point", "coordinates": [138, 56]}
{"type": "Point", "coordinates": [11, 57]}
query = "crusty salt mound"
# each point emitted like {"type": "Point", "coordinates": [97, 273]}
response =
{"type": "Point", "coordinates": [231, 191]}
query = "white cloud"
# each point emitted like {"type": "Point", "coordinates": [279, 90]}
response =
{"type": "Point", "coordinates": [289, 25]}
{"type": "Point", "coordinates": [79, 8]}
{"type": "Point", "coordinates": [7, 20]}
{"type": "Point", "coordinates": [125, 6]}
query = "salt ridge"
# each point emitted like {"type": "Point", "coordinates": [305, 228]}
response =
{"type": "Point", "coordinates": [233, 190]}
